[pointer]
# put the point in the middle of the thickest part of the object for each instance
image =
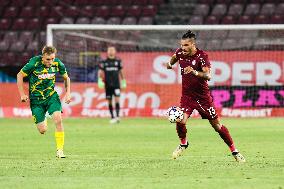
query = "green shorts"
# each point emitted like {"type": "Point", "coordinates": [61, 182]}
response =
{"type": "Point", "coordinates": [50, 105]}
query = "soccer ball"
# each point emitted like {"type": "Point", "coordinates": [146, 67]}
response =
{"type": "Point", "coordinates": [175, 114]}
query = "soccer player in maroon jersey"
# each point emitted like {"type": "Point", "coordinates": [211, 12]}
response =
{"type": "Point", "coordinates": [195, 70]}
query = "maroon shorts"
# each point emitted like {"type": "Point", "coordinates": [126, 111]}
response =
{"type": "Point", "coordinates": [205, 108]}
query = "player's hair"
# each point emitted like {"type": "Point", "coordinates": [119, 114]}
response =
{"type": "Point", "coordinates": [188, 35]}
{"type": "Point", "coordinates": [49, 50]}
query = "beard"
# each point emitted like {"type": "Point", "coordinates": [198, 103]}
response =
{"type": "Point", "coordinates": [186, 52]}
{"type": "Point", "coordinates": [189, 52]}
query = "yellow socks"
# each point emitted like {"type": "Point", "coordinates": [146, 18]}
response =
{"type": "Point", "coordinates": [59, 138]}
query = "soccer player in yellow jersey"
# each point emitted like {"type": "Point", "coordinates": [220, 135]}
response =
{"type": "Point", "coordinates": [41, 71]}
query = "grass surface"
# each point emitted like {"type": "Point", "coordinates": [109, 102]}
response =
{"type": "Point", "coordinates": [137, 154]}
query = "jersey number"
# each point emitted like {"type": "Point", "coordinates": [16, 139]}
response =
{"type": "Point", "coordinates": [212, 112]}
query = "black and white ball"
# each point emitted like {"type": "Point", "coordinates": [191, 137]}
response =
{"type": "Point", "coordinates": [175, 114]}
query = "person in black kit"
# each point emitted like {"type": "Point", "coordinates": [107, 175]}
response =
{"type": "Point", "coordinates": [111, 78]}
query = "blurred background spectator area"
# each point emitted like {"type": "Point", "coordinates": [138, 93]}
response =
{"type": "Point", "coordinates": [23, 22]}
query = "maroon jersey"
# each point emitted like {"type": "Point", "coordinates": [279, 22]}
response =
{"type": "Point", "coordinates": [193, 86]}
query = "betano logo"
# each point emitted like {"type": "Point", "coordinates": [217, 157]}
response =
{"type": "Point", "coordinates": [46, 76]}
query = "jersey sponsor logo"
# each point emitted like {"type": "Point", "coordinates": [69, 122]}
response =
{"type": "Point", "coordinates": [46, 76]}
{"type": "Point", "coordinates": [111, 68]}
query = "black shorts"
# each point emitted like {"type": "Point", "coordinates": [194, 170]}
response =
{"type": "Point", "coordinates": [112, 91]}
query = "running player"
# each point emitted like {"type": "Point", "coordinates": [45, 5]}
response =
{"type": "Point", "coordinates": [110, 77]}
{"type": "Point", "coordinates": [195, 70]}
{"type": "Point", "coordinates": [41, 71]}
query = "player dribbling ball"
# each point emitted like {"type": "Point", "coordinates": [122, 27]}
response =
{"type": "Point", "coordinates": [195, 70]}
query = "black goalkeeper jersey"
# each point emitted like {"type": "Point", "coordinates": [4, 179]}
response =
{"type": "Point", "coordinates": [111, 68]}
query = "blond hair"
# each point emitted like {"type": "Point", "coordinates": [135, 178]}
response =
{"type": "Point", "coordinates": [49, 50]}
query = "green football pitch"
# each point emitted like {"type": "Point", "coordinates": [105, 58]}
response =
{"type": "Point", "coordinates": [137, 154]}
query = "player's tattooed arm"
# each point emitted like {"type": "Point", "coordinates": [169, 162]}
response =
{"type": "Point", "coordinates": [172, 62]}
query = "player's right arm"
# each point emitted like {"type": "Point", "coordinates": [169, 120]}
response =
{"type": "Point", "coordinates": [174, 58]}
{"type": "Point", "coordinates": [101, 83]}
{"type": "Point", "coordinates": [172, 62]}
{"type": "Point", "coordinates": [25, 71]}
{"type": "Point", "coordinates": [121, 75]}
{"type": "Point", "coordinates": [20, 84]}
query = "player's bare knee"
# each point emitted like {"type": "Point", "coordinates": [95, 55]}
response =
{"type": "Point", "coordinates": [42, 130]}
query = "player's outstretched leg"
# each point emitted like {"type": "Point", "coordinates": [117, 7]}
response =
{"type": "Point", "coordinates": [225, 135]}
{"type": "Point", "coordinates": [181, 131]}
{"type": "Point", "coordinates": [59, 134]}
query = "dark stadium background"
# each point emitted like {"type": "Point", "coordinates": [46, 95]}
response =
{"type": "Point", "coordinates": [23, 22]}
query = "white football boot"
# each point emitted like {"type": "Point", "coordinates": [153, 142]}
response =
{"type": "Point", "coordinates": [239, 157]}
{"type": "Point", "coordinates": [113, 120]}
{"type": "Point", "coordinates": [60, 154]}
{"type": "Point", "coordinates": [179, 150]}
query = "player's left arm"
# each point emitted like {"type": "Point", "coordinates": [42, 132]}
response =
{"type": "Point", "coordinates": [121, 75]}
{"type": "Point", "coordinates": [205, 66]}
{"type": "Point", "coordinates": [67, 81]}
{"type": "Point", "coordinates": [205, 73]}
{"type": "Point", "coordinates": [67, 84]}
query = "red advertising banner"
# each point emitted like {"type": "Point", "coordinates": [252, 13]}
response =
{"type": "Point", "coordinates": [152, 89]}
{"type": "Point", "coordinates": [232, 68]}
{"type": "Point", "coordinates": [148, 100]}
